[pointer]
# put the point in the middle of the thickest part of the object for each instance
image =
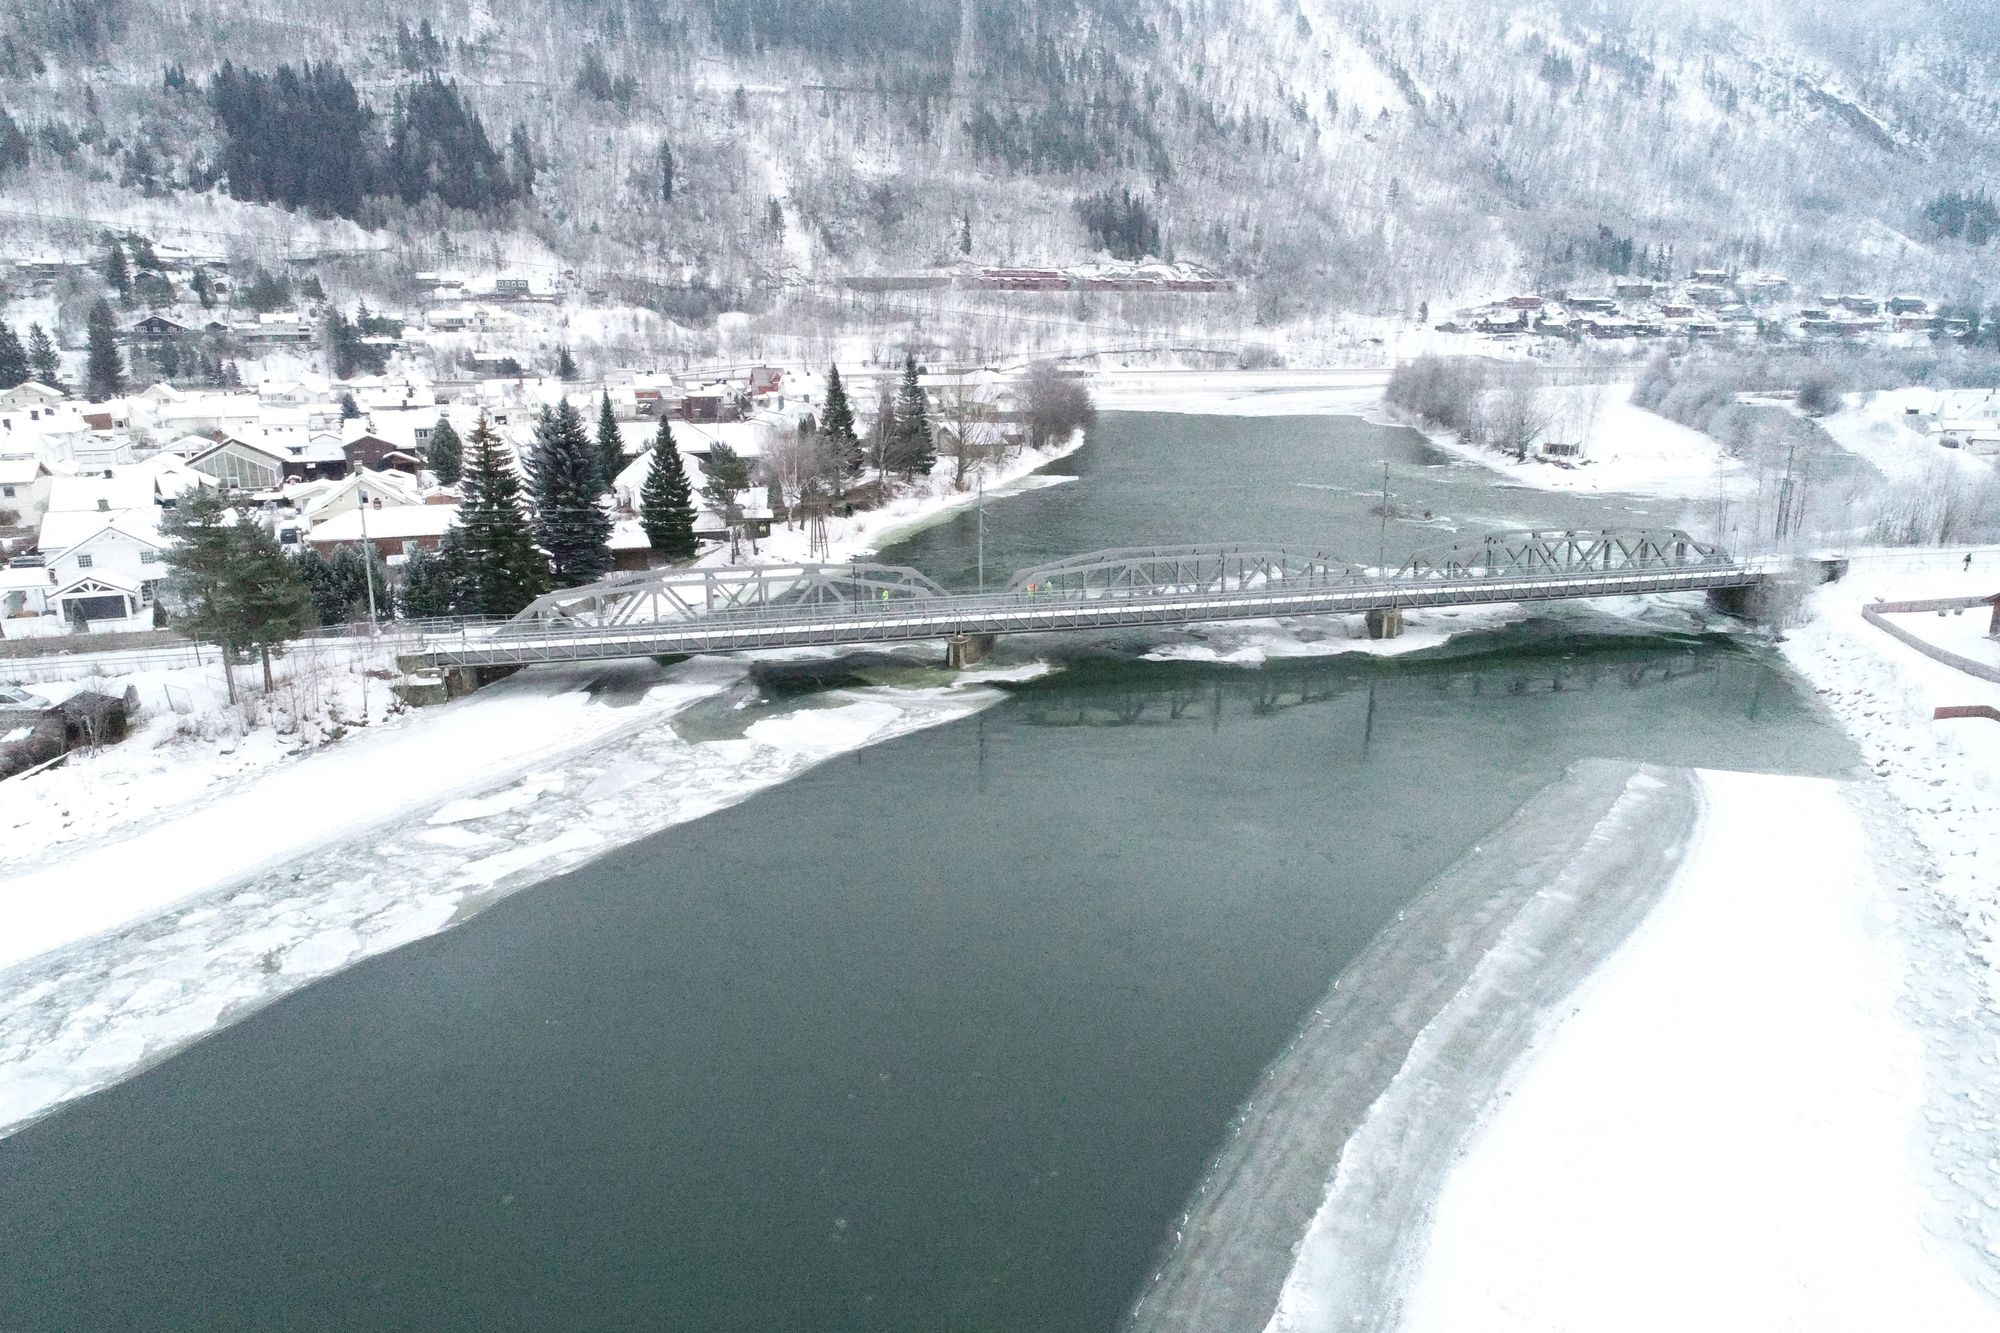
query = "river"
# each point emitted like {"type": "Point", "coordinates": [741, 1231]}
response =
{"type": "Point", "coordinates": [939, 1035]}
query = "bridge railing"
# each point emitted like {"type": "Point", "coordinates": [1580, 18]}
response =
{"type": "Point", "coordinates": [916, 617]}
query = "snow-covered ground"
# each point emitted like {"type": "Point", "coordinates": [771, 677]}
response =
{"type": "Point", "coordinates": [1726, 1126]}
{"type": "Point", "coordinates": [1626, 449]}
{"type": "Point", "coordinates": [1883, 429]}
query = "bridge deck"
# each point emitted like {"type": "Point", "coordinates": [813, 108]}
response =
{"type": "Point", "coordinates": [915, 618]}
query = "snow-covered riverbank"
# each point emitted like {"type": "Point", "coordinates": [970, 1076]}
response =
{"type": "Point", "coordinates": [1729, 1124]}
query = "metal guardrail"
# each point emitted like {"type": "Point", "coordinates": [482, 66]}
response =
{"type": "Point", "coordinates": [907, 620]}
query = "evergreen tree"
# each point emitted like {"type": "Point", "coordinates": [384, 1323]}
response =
{"type": "Point", "coordinates": [666, 504]}
{"type": "Point", "coordinates": [204, 290]}
{"type": "Point", "coordinates": [426, 593]}
{"type": "Point", "coordinates": [666, 174]}
{"type": "Point", "coordinates": [610, 446]}
{"type": "Point", "coordinates": [269, 600]}
{"type": "Point", "coordinates": [501, 571]}
{"type": "Point", "coordinates": [116, 271]}
{"type": "Point", "coordinates": [521, 160]}
{"type": "Point", "coordinates": [565, 364]}
{"type": "Point", "coordinates": [105, 371]}
{"type": "Point", "coordinates": [728, 473]}
{"type": "Point", "coordinates": [361, 579]}
{"type": "Point", "coordinates": [446, 454]}
{"type": "Point", "coordinates": [837, 424]}
{"type": "Point", "coordinates": [349, 409]}
{"type": "Point", "coordinates": [202, 555]}
{"type": "Point", "coordinates": [44, 363]}
{"type": "Point", "coordinates": [914, 451]}
{"type": "Point", "coordinates": [13, 358]}
{"type": "Point", "coordinates": [563, 475]}
{"type": "Point", "coordinates": [325, 591]}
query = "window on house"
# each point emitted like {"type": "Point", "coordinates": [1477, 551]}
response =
{"type": "Point", "coordinates": [7, 491]}
{"type": "Point", "coordinates": [85, 561]}
{"type": "Point", "coordinates": [149, 557]}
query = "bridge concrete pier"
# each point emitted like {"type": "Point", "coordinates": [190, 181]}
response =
{"type": "Point", "coordinates": [460, 681]}
{"type": "Point", "coordinates": [1749, 601]}
{"type": "Point", "coordinates": [1385, 622]}
{"type": "Point", "coordinates": [964, 650]}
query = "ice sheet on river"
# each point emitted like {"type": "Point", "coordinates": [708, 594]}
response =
{"type": "Point", "coordinates": [1353, 1127]}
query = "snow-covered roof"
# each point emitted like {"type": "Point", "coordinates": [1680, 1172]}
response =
{"type": "Point", "coordinates": [64, 532]}
{"type": "Point", "coordinates": [103, 578]}
{"type": "Point", "coordinates": [19, 471]}
{"type": "Point", "coordinates": [391, 487]}
{"type": "Point", "coordinates": [395, 521]}
{"type": "Point", "coordinates": [91, 493]}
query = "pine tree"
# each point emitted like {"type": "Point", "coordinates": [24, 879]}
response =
{"type": "Point", "coordinates": [43, 361]}
{"type": "Point", "coordinates": [116, 271]}
{"type": "Point", "coordinates": [914, 450]}
{"type": "Point", "coordinates": [13, 358]}
{"type": "Point", "coordinates": [666, 503]}
{"type": "Point", "coordinates": [502, 571]}
{"type": "Point", "coordinates": [104, 370]}
{"type": "Point", "coordinates": [202, 555]}
{"type": "Point", "coordinates": [204, 291]}
{"type": "Point", "coordinates": [446, 454]}
{"type": "Point", "coordinates": [610, 446]}
{"type": "Point", "coordinates": [565, 363]}
{"type": "Point", "coordinates": [837, 424]}
{"type": "Point", "coordinates": [563, 476]}
{"type": "Point", "coordinates": [349, 409]}
{"type": "Point", "coordinates": [666, 174]}
{"type": "Point", "coordinates": [426, 593]}
{"type": "Point", "coordinates": [325, 590]}
{"type": "Point", "coordinates": [268, 599]}
{"type": "Point", "coordinates": [728, 473]}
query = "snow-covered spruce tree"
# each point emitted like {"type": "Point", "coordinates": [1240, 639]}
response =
{"type": "Point", "coordinates": [104, 370]}
{"type": "Point", "coordinates": [44, 362]}
{"type": "Point", "coordinates": [13, 358]}
{"type": "Point", "coordinates": [837, 424]}
{"type": "Point", "coordinates": [269, 600]}
{"type": "Point", "coordinates": [565, 364]}
{"type": "Point", "coordinates": [913, 451]}
{"type": "Point", "coordinates": [666, 501]}
{"type": "Point", "coordinates": [610, 446]}
{"type": "Point", "coordinates": [502, 570]}
{"type": "Point", "coordinates": [446, 454]}
{"type": "Point", "coordinates": [563, 476]}
{"type": "Point", "coordinates": [426, 592]}
{"type": "Point", "coordinates": [202, 555]}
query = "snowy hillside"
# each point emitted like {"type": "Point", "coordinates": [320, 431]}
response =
{"type": "Point", "coordinates": [697, 156]}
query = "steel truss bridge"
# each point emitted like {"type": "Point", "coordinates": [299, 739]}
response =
{"type": "Point", "coordinates": [738, 608]}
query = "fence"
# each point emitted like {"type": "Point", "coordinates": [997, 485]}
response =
{"type": "Point", "coordinates": [1877, 614]}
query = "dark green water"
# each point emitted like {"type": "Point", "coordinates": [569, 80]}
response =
{"type": "Point", "coordinates": [937, 1036]}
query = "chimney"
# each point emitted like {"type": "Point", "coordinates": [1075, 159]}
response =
{"type": "Point", "coordinates": [103, 505]}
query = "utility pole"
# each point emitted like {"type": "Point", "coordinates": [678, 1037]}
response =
{"type": "Point", "coordinates": [1382, 545]}
{"type": "Point", "coordinates": [367, 557]}
{"type": "Point", "coordinates": [980, 507]}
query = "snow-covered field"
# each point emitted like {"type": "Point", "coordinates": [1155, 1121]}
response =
{"type": "Point", "coordinates": [1626, 449]}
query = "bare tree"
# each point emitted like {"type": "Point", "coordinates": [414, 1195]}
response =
{"type": "Point", "coordinates": [966, 421]}
{"type": "Point", "coordinates": [1517, 418]}
{"type": "Point", "coordinates": [1053, 404]}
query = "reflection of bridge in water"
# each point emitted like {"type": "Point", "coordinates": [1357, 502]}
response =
{"type": "Point", "coordinates": [674, 612]}
{"type": "Point", "coordinates": [1290, 684]}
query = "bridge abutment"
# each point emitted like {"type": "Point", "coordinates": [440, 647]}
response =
{"type": "Point", "coordinates": [1749, 601]}
{"type": "Point", "coordinates": [1385, 622]}
{"type": "Point", "coordinates": [964, 650]}
{"type": "Point", "coordinates": [463, 680]}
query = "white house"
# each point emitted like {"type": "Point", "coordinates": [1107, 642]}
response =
{"type": "Point", "coordinates": [112, 573]}
{"type": "Point", "coordinates": [392, 530]}
{"type": "Point", "coordinates": [23, 592]}
{"type": "Point", "coordinates": [387, 489]}
{"type": "Point", "coordinates": [24, 491]}
{"type": "Point", "coordinates": [27, 397]}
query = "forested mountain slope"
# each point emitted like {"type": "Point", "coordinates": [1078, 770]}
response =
{"type": "Point", "coordinates": [1358, 156]}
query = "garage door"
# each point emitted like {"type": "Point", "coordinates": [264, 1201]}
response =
{"type": "Point", "coordinates": [97, 608]}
